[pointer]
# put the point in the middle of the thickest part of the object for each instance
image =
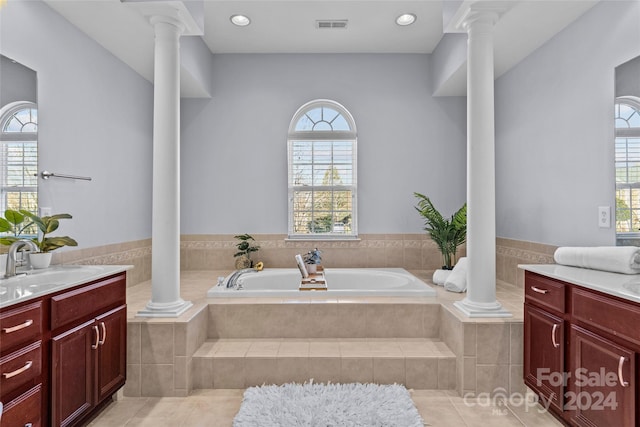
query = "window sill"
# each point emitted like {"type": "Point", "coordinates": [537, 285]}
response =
{"type": "Point", "coordinates": [322, 239]}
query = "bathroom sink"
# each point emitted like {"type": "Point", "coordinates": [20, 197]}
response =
{"type": "Point", "coordinates": [33, 283]}
{"type": "Point", "coordinates": [633, 287]}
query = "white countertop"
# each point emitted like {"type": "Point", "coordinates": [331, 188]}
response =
{"type": "Point", "coordinates": [625, 286]}
{"type": "Point", "coordinates": [37, 283]}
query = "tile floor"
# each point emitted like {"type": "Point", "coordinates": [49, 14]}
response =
{"type": "Point", "coordinates": [213, 408]}
{"type": "Point", "coordinates": [217, 408]}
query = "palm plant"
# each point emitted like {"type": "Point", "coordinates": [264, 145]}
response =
{"type": "Point", "coordinates": [448, 234]}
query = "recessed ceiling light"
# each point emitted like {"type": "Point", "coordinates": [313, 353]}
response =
{"type": "Point", "coordinates": [240, 20]}
{"type": "Point", "coordinates": [406, 19]}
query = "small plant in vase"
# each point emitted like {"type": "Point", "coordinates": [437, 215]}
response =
{"type": "Point", "coordinates": [14, 222]}
{"type": "Point", "coordinates": [313, 259]}
{"type": "Point", "coordinates": [245, 248]}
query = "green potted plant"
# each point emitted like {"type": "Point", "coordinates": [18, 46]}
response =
{"type": "Point", "coordinates": [447, 234]}
{"type": "Point", "coordinates": [21, 225]}
{"type": "Point", "coordinates": [245, 248]}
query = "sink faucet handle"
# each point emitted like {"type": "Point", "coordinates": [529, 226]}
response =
{"type": "Point", "coordinates": [220, 281]}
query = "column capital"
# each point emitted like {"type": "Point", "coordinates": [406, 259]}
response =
{"type": "Point", "coordinates": [170, 12]}
{"type": "Point", "coordinates": [481, 11]}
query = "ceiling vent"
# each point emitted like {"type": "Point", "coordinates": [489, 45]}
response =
{"type": "Point", "coordinates": [332, 23]}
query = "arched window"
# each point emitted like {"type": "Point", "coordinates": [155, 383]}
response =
{"type": "Point", "coordinates": [627, 119]}
{"type": "Point", "coordinates": [19, 156]}
{"type": "Point", "coordinates": [322, 172]}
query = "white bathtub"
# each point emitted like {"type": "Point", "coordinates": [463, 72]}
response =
{"type": "Point", "coordinates": [341, 282]}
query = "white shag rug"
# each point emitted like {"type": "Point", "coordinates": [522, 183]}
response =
{"type": "Point", "coordinates": [328, 405]}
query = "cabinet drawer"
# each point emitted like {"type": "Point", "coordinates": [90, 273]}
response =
{"type": "Point", "coordinates": [544, 291]}
{"type": "Point", "coordinates": [20, 367]}
{"type": "Point", "coordinates": [84, 302]}
{"type": "Point", "coordinates": [20, 325]}
{"type": "Point", "coordinates": [606, 314]}
{"type": "Point", "coordinates": [25, 409]}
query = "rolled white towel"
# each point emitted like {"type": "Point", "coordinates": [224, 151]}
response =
{"type": "Point", "coordinates": [457, 280]}
{"type": "Point", "coordinates": [617, 259]}
{"type": "Point", "coordinates": [440, 276]}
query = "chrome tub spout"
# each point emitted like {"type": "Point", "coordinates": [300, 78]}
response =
{"type": "Point", "coordinates": [231, 283]}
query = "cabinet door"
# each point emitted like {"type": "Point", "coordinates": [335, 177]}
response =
{"type": "Point", "coordinates": [544, 355]}
{"type": "Point", "coordinates": [602, 389]}
{"type": "Point", "coordinates": [112, 361]}
{"type": "Point", "coordinates": [73, 356]}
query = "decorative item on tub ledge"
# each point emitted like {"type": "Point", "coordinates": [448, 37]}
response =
{"type": "Point", "coordinates": [245, 247]}
{"type": "Point", "coordinates": [13, 222]}
{"type": "Point", "coordinates": [313, 261]}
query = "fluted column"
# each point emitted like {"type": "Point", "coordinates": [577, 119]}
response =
{"type": "Point", "coordinates": [165, 263]}
{"type": "Point", "coordinates": [481, 195]}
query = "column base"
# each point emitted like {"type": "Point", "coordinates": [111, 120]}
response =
{"type": "Point", "coordinates": [475, 309]}
{"type": "Point", "coordinates": [172, 309]}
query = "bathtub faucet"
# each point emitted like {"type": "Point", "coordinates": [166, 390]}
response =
{"type": "Point", "coordinates": [231, 283]}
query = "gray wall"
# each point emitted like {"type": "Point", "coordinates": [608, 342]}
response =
{"type": "Point", "coordinates": [17, 82]}
{"type": "Point", "coordinates": [95, 119]}
{"type": "Point", "coordinates": [554, 130]}
{"type": "Point", "coordinates": [628, 78]}
{"type": "Point", "coordinates": [234, 146]}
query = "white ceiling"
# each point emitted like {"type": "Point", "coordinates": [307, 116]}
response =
{"type": "Point", "coordinates": [288, 26]}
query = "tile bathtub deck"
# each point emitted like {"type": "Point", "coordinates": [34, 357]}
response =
{"type": "Point", "coordinates": [195, 284]}
{"type": "Point", "coordinates": [218, 407]}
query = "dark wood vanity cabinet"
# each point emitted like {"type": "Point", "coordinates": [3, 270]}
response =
{"type": "Point", "coordinates": [71, 358]}
{"type": "Point", "coordinates": [88, 365]}
{"type": "Point", "coordinates": [580, 352]}
{"type": "Point", "coordinates": [22, 356]}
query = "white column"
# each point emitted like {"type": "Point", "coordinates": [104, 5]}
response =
{"type": "Point", "coordinates": [165, 263]}
{"type": "Point", "coordinates": [481, 195]}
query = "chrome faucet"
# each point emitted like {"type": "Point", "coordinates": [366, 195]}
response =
{"type": "Point", "coordinates": [10, 269]}
{"type": "Point", "coordinates": [231, 283]}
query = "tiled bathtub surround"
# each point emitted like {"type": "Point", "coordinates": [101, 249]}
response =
{"type": "Point", "coordinates": [136, 253]}
{"type": "Point", "coordinates": [215, 252]}
{"type": "Point", "coordinates": [409, 251]}
{"type": "Point", "coordinates": [171, 358]}
{"type": "Point", "coordinates": [160, 358]}
{"type": "Point", "coordinates": [510, 253]}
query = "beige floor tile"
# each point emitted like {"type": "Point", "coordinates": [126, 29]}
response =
{"type": "Point", "coordinates": [232, 348]}
{"type": "Point", "coordinates": [266, 348]}
{"type": "Point", "coordinates": [385, 349]}
{"type": "Point", "coordinates": [480, 414]}
{"type": "Point", "coordinates": [324, 369]}
{"type": "Point", "coordinates": [352, 348]}
{"type": "Point", "coordinates": [217, 408]}
{"type": "Point", "coordinates": [324, 348]}
{"type": "Point", "coordinates": [438, 413]}
{"type": "Point", "coordinates": [291, 348]}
